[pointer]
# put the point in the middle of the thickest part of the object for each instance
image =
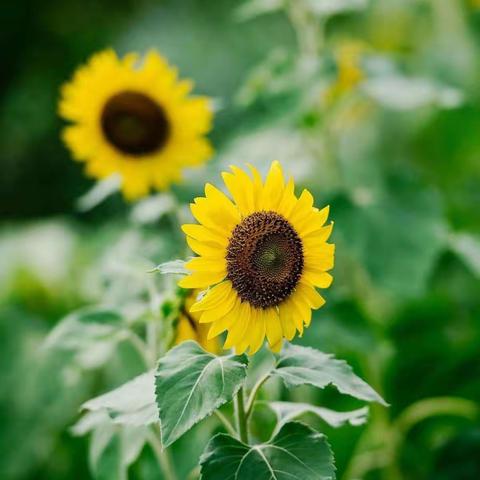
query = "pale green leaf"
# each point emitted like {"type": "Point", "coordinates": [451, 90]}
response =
{"type": "Point", "coordinates": [99, 192]}
{"type": "Point", "coordinates": [296, 452]}
{"type": "Point", "coordinates": [326, 8]}
{"type": "Point", "coordinates": [191, 384]}
{"type": "Point", "coordinates": [467, 247]}
{"type": "Point", "coordinates": [152, 209]}
{"type": "Point", "coordinates": [306, 366]}
{"type": "Point", "coordinates": [175, 266]}
{"type": "Point", "coordinates": [254, 8]}
{"type": "Point", "coordinates": [133, 403]}
{"type": "Point", "coordinates": [288, 411]}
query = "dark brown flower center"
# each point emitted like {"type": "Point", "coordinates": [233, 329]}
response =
{"type": "Point", "coordinates": [134, 124]}
{"type": "Point", "coordinates": [264, 259]}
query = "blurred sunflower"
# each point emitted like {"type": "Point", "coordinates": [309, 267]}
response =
{"type": "Point", "coordinates": [261, 256]}
{"type": "Point", "coordinates": [189, 327]}
{"type": "Point", "coordinates": [134, 119]}
{"type": "Point", "coordinates": [349, 69]}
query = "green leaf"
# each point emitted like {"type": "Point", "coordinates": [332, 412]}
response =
{"type": "Point", "coordinates": [303, 365]}
{"type": "Point", "coordinates": [191, 384]}
{"type": "Point", "coordinates": [288, 411]}
{"type": "Point", "coordinates": [152, 209]}
{"type": "Point", "coordinates": [254, 8]}
{"type": "Point", "coordinates": [90, 333]}
{"type": "Point", "coordinates": [99, 192]}
{"type": "Point", "coordinates": [296, 452]}
{"type": "Point", "coordinates": [467, 247]}
{"type": "Point", "coordinates": [175, 266]}
{"type": "Point", "coordinates": [133, 403]}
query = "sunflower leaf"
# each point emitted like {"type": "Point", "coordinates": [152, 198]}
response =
{"type": "Point", "coordinates": [133, 403]}
{"type": "Point", "coordinates": [306, 366]}
{"type": "Point", "coordinates": [296, 452]}
{"type": "Point", "coordinates": [174, 266]}
{"type": "Point", "coordinates": [191, 384]}
{"type": "Point", "coordinates": [288, 411]}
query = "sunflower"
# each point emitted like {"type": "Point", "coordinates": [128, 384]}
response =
{"type": "Point", "coordinates": [135, 119]}
{"type": "Point", "coordinates": [189, 327]}
{"type": "Point", "coordinates": [261, 257]}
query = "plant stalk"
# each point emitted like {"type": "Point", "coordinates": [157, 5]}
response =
{"type": "Point", "coordinates": [241, 417]}
{"type": "Point", "coordinates": [163, 457]}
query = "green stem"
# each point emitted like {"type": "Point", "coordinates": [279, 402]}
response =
{"type": "Point", "coordinates": [163, 457]}
{"type": "Point", "coordinates": [226, 423]}
{"type": "Point", "coordinates": [241, 417]}
{"type": "Point", "coordinates": [253, 395]}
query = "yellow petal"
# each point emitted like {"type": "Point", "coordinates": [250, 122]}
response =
{"type": "Point", "coordinates": [258, 331]}
{"type": "Point", "coordinates": [273, 187]}
{"type": "Point", "coordinates": [221, 309]}
{"type": "Point", "coordinates": [241, 188]}
{"type": "Point", "coordinates": [317, 278]}
{"type": "Point", "coordinates": [203, 234]}
{"type": "Point", "coordinates": [291, 311]}
{"type": "Point", "coordinates": [288, 325]}
{"type": "Point", "coordinates": [201, 279]}
{"type": "Point", "coordinates": [307, 291]}
{"type": "Point", "coordinates": [213, 297]}
{"type": "Point", "coordinates": [273, 329]}
{"type": "Point", "coordinates": [276, 347]}
{"type": "Point", "coordinates": [220, 326]}
{"type": "Point", "coordinates": [214, 215]}
{"type": "Point", "coordinates": [205, 264]}
{"type": "Point", "coordinates": [241, 312]}
{"type": "Point", "coordinates": [303, 309]}
{"type": "Point", "coordinates": [206, 249]}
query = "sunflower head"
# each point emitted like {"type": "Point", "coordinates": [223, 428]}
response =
{"type": "Point", "coordinates": [134, 118]}
{"type": "Point", "coordinates": [262, 254]}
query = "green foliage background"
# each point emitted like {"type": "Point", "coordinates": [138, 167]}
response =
{"type": "Point", "coordinates": [399, 164]}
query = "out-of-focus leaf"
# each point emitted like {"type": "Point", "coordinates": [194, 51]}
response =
{"type": "Point", "coordinates": [296, 452]}
{"type": "Point", "coordinates": [403, 93]}
{"type": "Point", "coordinates": [175, 267]}
{"type": "Point", "coordinates": [133, 403]}
{"type": "Point", "coordinates": [467, 247]}
{"type": "Point", "coordinates": [152, 208]}
{"type": "Point", "coordinates": [254, 8]}
{"type": "Point", "coordinates": [288, 411]}
{"type": "Point", "coordinates": [326, 8]}
{"type": "Point", "coordinates": [90, 333]}
{"type": "Point", "coordinates": [306, 366]}
{"type": "Point", "coordinates": [99, 192]}
{"type": "Point", "coordinates": [396, 236]}
{"type": "Point", "coordinates": [191, 384]}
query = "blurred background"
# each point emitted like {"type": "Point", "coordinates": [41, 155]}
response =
{"type": "Point", "coordinates": [373, 105]}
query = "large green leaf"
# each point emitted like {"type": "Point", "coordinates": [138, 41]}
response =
{"type": "Point", "coordinates": [133, 403]}
{"type": "Point", "coordinates": [296, 452]}
{"type": "Point", "coordinates": [303, 365]}
{"type": "Point", "coordinates": [191, 384]}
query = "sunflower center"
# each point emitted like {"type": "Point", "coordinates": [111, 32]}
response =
{"type": "Point", "coordinates": [134, 124]}
{"type": "Point", "coordinates": [264, 259]}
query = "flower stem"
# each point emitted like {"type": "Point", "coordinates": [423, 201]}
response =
{"type": "Point", "coordinates": [253, 394]}
{"type": "Point", "coordinates": [163, 457]}
{"type": "Point", "coordinates": [225, 422]}
{"type": "Point", "coordinates": [241, 417]}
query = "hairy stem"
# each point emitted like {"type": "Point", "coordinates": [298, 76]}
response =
{"type": "Point", "coordinates": [253, 395]}
{"type": "Point", "coordinates": [163, 456]}
{"type": "Point", "coordinates": [241, 417]}
{"type": "Point", "coordinates": [226, 423]}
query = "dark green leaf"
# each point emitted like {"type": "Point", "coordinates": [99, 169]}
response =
{"type": "Point", "coordinates": [296, 452]}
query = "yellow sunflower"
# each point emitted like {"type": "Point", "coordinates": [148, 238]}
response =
{"type": "Point", "coordinates": [189, 327]}
{"type": "Point", "coordinates": [261, 258]}
{"type": "Point", "coordinates": [135, 119]}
